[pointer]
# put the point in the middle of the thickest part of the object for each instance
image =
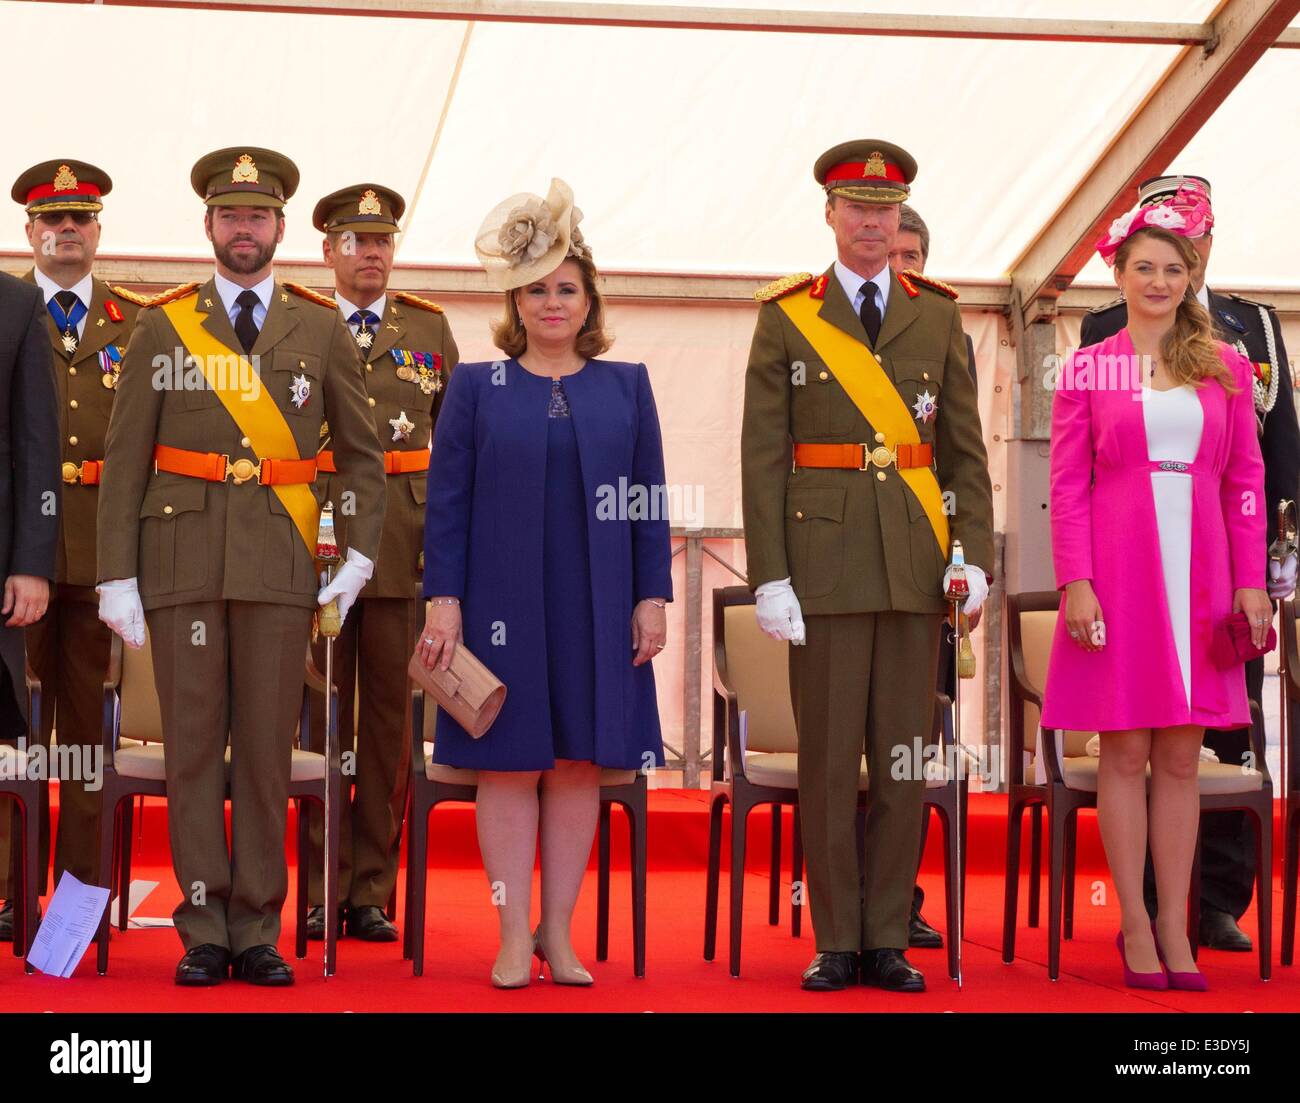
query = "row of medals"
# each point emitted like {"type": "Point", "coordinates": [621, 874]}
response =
{"type": "Point", "coordinates": [406, 373]}
{"type": "Point", "coordinates": [69, 339]}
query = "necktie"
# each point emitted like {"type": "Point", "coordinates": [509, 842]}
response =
{"type": "Point", "coordinates": [67, 310]}
{"type": "Point", "coordinates": [365, 321]}
{"type": "Point", "coordinates": [245, 327]}
{"type": "Point", "coordinates": [869, 312]}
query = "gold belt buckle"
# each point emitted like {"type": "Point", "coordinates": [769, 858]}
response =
{"type": "Point", "coordinates": [71, 473]}
{"type": "Point", "coordinates": [882, 456]}
{"type": "Point", "coordinates": [242, 470]}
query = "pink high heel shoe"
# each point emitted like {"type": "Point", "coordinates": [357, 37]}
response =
{"type": "Point", "coordinates": [1184, 982]}
{"type": "Point", "coordinates": [1158, 980]}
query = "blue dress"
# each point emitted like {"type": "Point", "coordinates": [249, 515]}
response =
{"type": "Point", "coordinates": [570, 631]}
{"type": "Point", "coordinates": [529, 522]}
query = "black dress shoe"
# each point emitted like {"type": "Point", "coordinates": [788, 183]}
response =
{"type": "Point", "coordinates": [890, 970]}
{"type": "Point", "coordinates": [920, 935]}
{"type": "Point", "coordinates": [1219, 931]}
{"type": "Point", "coordinates": [369, 923]}
{"type": "Point", "coordinates": [316, 922]}
{"type": "Point", "coordinates": [831, 971]}
{"type": "Point", "coordinates": [203, 965]}
{"type": "Point", "coordinates": [262, 965]}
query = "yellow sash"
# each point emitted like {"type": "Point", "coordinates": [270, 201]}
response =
{"type": "Point", "coordinates": [252, 407]}
{"type": "Point", "coordinates": [874, 394]}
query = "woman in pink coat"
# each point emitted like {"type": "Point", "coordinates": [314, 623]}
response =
{"type": "Point", "coordinates": [1158, 525]}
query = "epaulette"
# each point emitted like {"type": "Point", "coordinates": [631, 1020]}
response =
{"type": "Point", "coordinates": [313, 296]}
{"type": "Point", "coordinates": [930, 282]}
{"type": "Point", "coordinates": [415, 300]}
{"type": "Point", "coordinates": [131, 296]}
{"type": "Point", "coordinates": [777, 288]}
{"type": "Point", "coordinates": [172, 294]}
{"type": "Point", "coordinates": [1250, 302]}
{"type": "Point", "coordinates": [1107, 306]}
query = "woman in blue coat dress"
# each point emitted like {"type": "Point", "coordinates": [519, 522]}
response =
{"type": "Point", "coordinates": [546, 550]}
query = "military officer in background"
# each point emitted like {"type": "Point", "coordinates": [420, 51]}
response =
{"type": "Point", "coordinates": [88, 323]}
{"type": "Point", "coordinates": [1253, 329]}
{"type": "Point", "coordinates": [861, 456]}
{"type": "Point", "coordinates": [207, 530]}
{"type": "Point", "coordinates": [907, 257]}
{"type": "Point", "coordinates": [408, 352]}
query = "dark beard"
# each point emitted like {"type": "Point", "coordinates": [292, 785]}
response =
{"type": "Point", "coordinates": [245, 264]}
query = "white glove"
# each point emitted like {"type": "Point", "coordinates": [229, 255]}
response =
{"type": "Point", "coordinates": [1281, 577]}
{"type": "Point", "coordinates": [120, 609]}
{"type": "Point", "coordinates": [977, 583]}
{"type": "Point", "coordinates": [348, 583]}
{"type": "Point", "coordinates": [778, 611]}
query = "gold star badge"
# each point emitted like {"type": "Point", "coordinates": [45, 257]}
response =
{"type": "Point", "coordinates": [402, 426]}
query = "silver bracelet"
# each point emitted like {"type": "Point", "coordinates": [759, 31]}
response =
{"type": "Point", "coordinates": [656, 604]}
{"type": "Point", "coordinates": [444, 601]}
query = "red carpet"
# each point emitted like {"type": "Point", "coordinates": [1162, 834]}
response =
{"type": "Point", "coordinates": [461, 942]}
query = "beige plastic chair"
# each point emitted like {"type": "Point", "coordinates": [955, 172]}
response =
{"type": "Point", "coordinates": [1071, 784]}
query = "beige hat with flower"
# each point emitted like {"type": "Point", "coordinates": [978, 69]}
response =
{"type": "Point", "coordinates": [525, 238]}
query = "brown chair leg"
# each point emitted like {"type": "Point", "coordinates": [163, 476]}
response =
{"type": "Point", "coordinates": [713, 874]}
{"type": "Point", "coordinates": [1071, 838]}
{"type": "Point", "coordinates": [1055, 883]}
{"type": "Point", "coordinates": [739, 821]}
{"type": "Point", "coordinates": [602, 882]}
{"type": "Point", "coordinates": [1011, 888]}
{"type": "Point", "coordinates": [417, 875]}
{"type": "Point", "coordinates": [1264, 890]}
{"type": "Point", "coordinates": [774, 876]}
{"type": "Point", "coordinates": [108, 821]}
{"type": "Point", "coordinates": [1035, 860]}
{"type": "Point", "coordinates": [302, 905]}
{"type": "Point", "coordinates": [797, 888]}
{"type": "Point", "coordinates": [31, 894]}
{"type": "Point", "coordinates": [1290, 877]}
{"type": "Point", "coordinates": [127, 808]}
{"type": "Point", "coordinates": [638, 820]}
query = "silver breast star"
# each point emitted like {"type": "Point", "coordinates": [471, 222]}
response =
{"type": "Point", "coordinates": [402, 426]}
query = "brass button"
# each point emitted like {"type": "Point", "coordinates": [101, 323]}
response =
{"type": "Point", "coordinates": [880, 475]}
{"type": "Point", "coordinates": [925, 375]}
{"type": "Point", "coordinates": [302, 363]}
{"type": "Point", "coordinates": [880, 438]}
{"type": "Point", "coordinates": [244, 442]}
{"type": "Point", "coordinates": [798, 515]}
{"type": "Point", "coordinates": [824, 375]}
{"type": "Point", "coordinates": [73, 403]}
{"type": "Point", "coordinates": [72, 371]}
{"type": "Point", "coordinates": [72, 440]}
{"type": "Point", "coordinates": [371, 401]}
{"type": "Point", "coordinates": [167, 509]}
{"type": "Point", "coordinates": [370, 367]}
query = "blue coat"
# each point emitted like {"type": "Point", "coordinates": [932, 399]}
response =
{"type": "Point", "coordinates": [483, 543]}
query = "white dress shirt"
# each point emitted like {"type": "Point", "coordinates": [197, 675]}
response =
{"type": "Point", "coordinates": [855, 287]}
{"type": "Point", "coordinates": [83, 289]}
{"type": "Point", "coordinates": [230, 293]}
{"type": "Point", "coordinates": [1203, 297]}
{"type": "Point", "coordinates": [347, 309]}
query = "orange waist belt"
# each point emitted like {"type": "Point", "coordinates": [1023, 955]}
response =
{"type": "Point", "coordinates": [217, 467]}
{"type": "Point", "coordinates": [860, 457]}
{"type": "Point", "coordinates": [395, 463]}
{"type": "Point", "coordinates": [87, 472]}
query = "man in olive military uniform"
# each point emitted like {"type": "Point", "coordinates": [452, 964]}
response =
{"type": "Point", "coordinates": [408, 353]}
{"type": "Point", "coordinates": [1227, 839]}
{"type": "Point", "coordinates": [207, 530]}
{"type": "Point", "coordinates": [862, 456]}
{"type": "Point", "coordinates": [88, 323]}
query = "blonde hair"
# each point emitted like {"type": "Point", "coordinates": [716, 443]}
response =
{"type": "Point", "coordinates": [511, 338]}
{"type": "Point", "coordinates": [1190, 348]}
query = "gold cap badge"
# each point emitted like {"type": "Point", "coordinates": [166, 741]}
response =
{"type": "Point", "coordinates": [875, 165]}
{"type": "Point", "coordinates": [245, 171]}
{"type": "Point", "coordinates": [65, 179]}
{"type": "Point", "coordinates": [369, 203]}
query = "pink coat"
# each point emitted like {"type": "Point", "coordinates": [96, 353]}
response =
{"type": "Point", "coordinates": [1104, 529]}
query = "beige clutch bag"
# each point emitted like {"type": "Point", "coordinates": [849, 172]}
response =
{"type": "Point", "coordinates": [467, 690]}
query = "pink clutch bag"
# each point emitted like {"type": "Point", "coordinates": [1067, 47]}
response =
{"type": "Point", "coordinates": [1232, 644]}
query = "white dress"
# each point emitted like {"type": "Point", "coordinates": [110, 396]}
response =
{"type": "Point", "coordinates": [1173, 421]}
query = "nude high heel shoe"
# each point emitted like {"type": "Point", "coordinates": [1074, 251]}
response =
{"type": "Point", "coordinates": [520, 980]}
{"type": "Point", "coordinates": [578, 977]}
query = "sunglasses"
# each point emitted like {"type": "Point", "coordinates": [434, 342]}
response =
{"type": "Point", "coordinates": [80, 218]}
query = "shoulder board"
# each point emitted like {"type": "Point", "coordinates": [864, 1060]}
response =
{"type": "Point", "coordinates": [415, 300]}
{"type": "Point", "coordinates": [930, 282]}
{"type": "Point", "coordinates": [1107, 306]}
{"type": "Point", "coordinates": [172, 294]}
{"type": "Point", "coordinates": [1250, 302]}
{"type": "Point", "coordinates": [312, 296]}
{"type": "Point", "coordinates": [131, 296]}
{"type": "Point", "coordinates": [777, 288]}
